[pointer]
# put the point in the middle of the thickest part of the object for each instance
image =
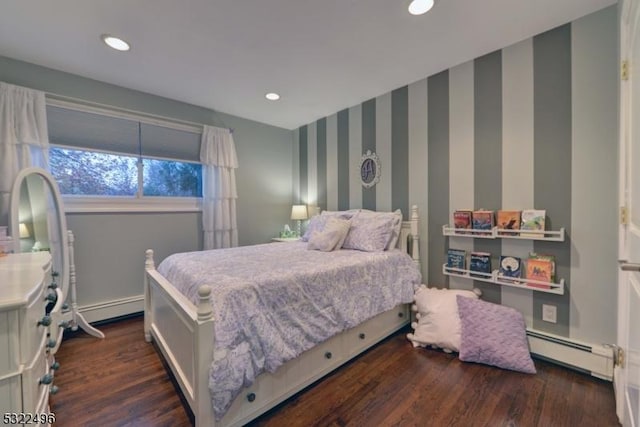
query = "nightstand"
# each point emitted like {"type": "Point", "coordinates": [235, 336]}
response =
{"type": "Point", "coordinates": [285, 239]}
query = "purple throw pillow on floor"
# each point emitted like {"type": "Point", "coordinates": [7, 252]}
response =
{"type": "Point", "coordinates": [493, 334]}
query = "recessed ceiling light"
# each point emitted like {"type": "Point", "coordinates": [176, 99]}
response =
{"type": "Point", "coordinates": [272, 96]}
{"type": "Point", "coordinates": [419, 7]}
{"type": "Point", "coordinates": [115, 43]}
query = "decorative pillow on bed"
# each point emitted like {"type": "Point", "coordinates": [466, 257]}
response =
{"type": "Point", "coordinates": [331, 237]}
{"type": "Point", "coordinates": [370, 233]}
{"type": "Point", "coordinates": [318, 222]}
{"type": "Point", "coordinates": [495, 335]}
{"type": "Point", "coordinates": [438, 323]}
{"type": "Point", "coordinates": [396, 223]}
{"type": "Point", "coordinates": [348, 214]}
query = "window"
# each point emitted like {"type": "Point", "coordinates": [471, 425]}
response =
{"type": "Point", "coordinates": [89, 173]}
{"type": "Point", "coordinates": [100, 155]}
{"type": "Point", "coordinates": [170, 178]}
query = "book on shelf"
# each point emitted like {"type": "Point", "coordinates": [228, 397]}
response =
{"type": "Point", "coordinates": [483, 220]}
{"type": "Point", "coordinates": [456, 258]}
{"type": "Point", "coordinates": [547, 257]}
{"type": "Point", "coordinates": [462, 219]}
{"type": "Point", "coordinates": [532, 219]}
{"type": "Point", "coordinates": [480, 262]}
{"type": "Point", "coordinates": [508, 220]}
{"type": "Point", "coordinates": [510, 267]}
{"type": "Point", "coordinates": [539, 269]}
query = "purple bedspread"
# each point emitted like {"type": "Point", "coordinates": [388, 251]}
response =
{"type": "Point", "coordinates": [272, 302]}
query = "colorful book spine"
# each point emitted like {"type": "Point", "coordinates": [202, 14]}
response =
{"type": "Point", "coordinates": [456, 258]}
{"type": "Point", "coordinates": [533, 219]}
{"type": "Point", "coordinates": [462, 219]}
{"type": "Point", "coordinates": [540, 270]}
{"type": "Point", "coordinates": [508, 220]}
{"type": "Point", "coordinates": [483, 220]}
{"type": "Point", "coordinates": [510, 267]}
{"type": "Point", "coordinates": [480, 262]}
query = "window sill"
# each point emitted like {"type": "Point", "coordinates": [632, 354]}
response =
{"type": "Point", "coordinates": [87, 204]}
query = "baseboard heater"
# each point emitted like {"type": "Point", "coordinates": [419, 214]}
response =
{"type": "Point", "coordinates": [595, 360]}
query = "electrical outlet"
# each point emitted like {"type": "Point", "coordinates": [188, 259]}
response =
{"type": "Point", "coordinates": [549, 313]}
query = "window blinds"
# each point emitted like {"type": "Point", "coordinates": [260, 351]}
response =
{"type": "Point", "coordinates": [93, 131]}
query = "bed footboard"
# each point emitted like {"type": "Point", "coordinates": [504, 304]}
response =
{"type": "Point", "coordinates": [184, 334]}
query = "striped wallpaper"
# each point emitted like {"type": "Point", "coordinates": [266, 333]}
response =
{"type": "Point", "coordinates": [531, 125]}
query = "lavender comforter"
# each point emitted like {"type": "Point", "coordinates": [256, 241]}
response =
{"type": "Point", "coordinates": [272, 302]}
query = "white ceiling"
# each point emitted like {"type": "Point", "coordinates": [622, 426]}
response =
{"type": "Point", "coordinates": [320, 55]}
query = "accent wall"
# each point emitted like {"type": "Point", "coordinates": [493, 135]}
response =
{"type": "Point", "coordinates": [533, 125]}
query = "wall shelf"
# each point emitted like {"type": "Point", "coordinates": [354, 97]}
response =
{"type": "Point", "coordinates": [498, 233]}
{"type": "Point", "coordinates": [514, 282]}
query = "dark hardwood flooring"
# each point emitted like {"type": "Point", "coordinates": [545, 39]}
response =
{"type": "Point", "coordinates": [121, 381]}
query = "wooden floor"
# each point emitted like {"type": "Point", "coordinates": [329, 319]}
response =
{"type": "Point", "coordinates": [121, 381]}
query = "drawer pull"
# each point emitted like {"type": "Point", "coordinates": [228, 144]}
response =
{"type": "Point", "coordinates": [64, 324]}
{"type": "Point", "coordinates": [401, 314]}
{"type": "Point", "coordinates": [54, 389]}
{"type": "Point", "coordinates": [65, 306]}
{"type": "Point", "coordinates": [362, 336]}
{"type": "Point", "coordinates": [55, 274]}
{"type": "Point", "coordinates": [251, 397]}
{"type": "Point", "coordinates": [46, 379]}
{"type": "Point", "coordinates": [51, 343]}
{"type": "Point", "coordinates": [55, 366]}
{"type": "Point", "coordinates": [46, 321]}
{"type": "Point", "coordinates": [328, 355]}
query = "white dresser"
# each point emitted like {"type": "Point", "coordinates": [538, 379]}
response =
{"type": "Point", "coordinates": [26, 364]}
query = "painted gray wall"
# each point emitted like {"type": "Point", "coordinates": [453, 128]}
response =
{"type": "Point", "coordinates": [110, 247]}
{"type": "Point", "coordinates": [532, 125]}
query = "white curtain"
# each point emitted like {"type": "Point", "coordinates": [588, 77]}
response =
{"type": "Point", "coordinates": [24, 140]}
{"type": "Point", "coordinates": [219, 162]}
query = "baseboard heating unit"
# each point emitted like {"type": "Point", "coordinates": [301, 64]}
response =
{"type": "Point", "coordinates": [596, 360]}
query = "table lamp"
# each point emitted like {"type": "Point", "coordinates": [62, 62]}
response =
{"type": "Point", "coordinates": [23, 231]}
{"type": "Point", "coordinates": [299, 213]}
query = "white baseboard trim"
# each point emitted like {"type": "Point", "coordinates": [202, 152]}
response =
{"type": "Point", "coordinates": [110, 309]}
{"type": "Point", "coordinates": [596, 360]}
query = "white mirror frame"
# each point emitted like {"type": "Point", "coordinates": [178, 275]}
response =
{"type": "Point", "coordinates": [14, 219]}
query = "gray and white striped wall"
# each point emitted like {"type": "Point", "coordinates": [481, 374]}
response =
{"type": "Point", "coordinates": [533, 125]}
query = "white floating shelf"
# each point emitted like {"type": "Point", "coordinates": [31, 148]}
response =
{"type": "Point", "coordinates": [514, 282]}
{"type": "Point", "coordinates": [498, 233]}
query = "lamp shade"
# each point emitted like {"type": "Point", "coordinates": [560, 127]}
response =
{"type": "Point", "coordinates": [299, 212]}
{"type": "Point", "coordinates": [24, 231]}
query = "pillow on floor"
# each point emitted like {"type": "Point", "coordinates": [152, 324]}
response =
{"type": "Point", "coordinates": [494, 335]}
{"type": "Point", "coordinates": [438, 323]}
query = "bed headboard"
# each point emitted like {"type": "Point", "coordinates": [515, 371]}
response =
{"type": "Point", "coordinates": [409, 237]}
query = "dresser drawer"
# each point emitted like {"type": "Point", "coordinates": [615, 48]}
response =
{"type": "Point", "coordinates": [35, 386]}
{"type": "Point", "coordinates": [34, 331]}
{"type": "Point", "coordinates": [10, 393]}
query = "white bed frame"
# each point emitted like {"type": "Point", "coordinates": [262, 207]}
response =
{"type": "Point", "coordinates": [183, 333]}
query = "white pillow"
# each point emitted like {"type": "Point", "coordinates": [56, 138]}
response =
{"type": "Point", "coordinates": [438, 320]}
{"type": "Point", "coordinates": [369, 233]}
{"type": "Point", "coordinates": [331, 237]}
{"type": "Point", "coordinates": [396, 224]}
{"type": "Point", "coordinates": [318, 222]}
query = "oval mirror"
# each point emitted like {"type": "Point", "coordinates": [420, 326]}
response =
{"type": "Point", "coordinates": [37, 220]}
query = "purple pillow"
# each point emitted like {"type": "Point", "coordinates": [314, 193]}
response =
{"type": "Point", "coordinates": [369, 233]}
{"type": "Point", "coordinates": [318, 222]}
{"type": "Point", "coordinates": [494, 335]}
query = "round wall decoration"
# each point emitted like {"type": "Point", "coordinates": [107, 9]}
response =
{"type": "Point", "coordinates": [369, 169]}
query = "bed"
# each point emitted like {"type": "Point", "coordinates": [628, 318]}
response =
{"type": "Point", "coordinates": [186, 306]}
